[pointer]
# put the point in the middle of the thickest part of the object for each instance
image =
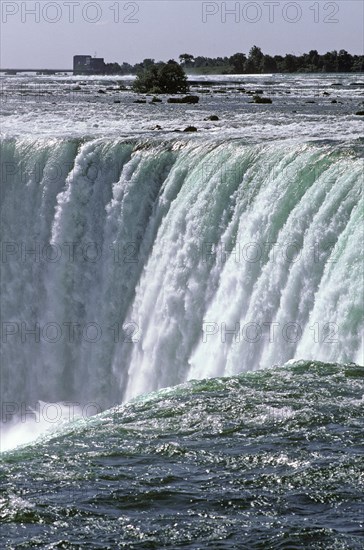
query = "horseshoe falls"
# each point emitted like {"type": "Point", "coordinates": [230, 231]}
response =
{"type": "Point", "coordinates": [148, 264]}
{"type": "Point", "coordinates": [182, 323]}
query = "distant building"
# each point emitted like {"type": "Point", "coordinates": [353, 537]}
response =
{"type": "Point", "coordinates": [85, 64]}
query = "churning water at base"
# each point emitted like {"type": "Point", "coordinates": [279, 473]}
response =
{"type": "Point", "coordinates": [270, 459]}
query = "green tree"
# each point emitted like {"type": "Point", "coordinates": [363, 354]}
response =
{"type": "Point", "coordinates": [290, 63]}
{"type": "Point", "coordinates": [237, 61]}
{"type": "Point", "coordinates": [113, 68]}
{"type": "Point", "coordinates": [269, 64]}
{"type": "Point", "coordinates": [344, 62]}
{"type": "Point", "coordinates": [358, 63]}
{"type": "Point", "coordinates": [172, 78]}
{"type": "Point", "coordinates": [254, 61]}
{"type": "Point", "coordinates": [330, 62]}
{"type": "Point", "coordinates": [164, 78]}
{"type": "Point", "coordinates": [186, 59]}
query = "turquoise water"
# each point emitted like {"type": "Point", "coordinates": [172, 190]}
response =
{"type": "Point", "coordinates": [270, 459]}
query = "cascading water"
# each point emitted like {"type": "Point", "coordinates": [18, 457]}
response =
{"type": "Point", "coordinates": [129, 266]}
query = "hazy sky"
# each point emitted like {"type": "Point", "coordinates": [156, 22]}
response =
{"type": "Point", "coordinates": [46, 33]}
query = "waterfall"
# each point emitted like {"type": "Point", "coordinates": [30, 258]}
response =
{"type": "Point", "coordinates": [128, 266]}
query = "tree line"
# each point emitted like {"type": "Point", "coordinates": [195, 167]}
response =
{"type": "Point", "coordinates": [256, 62]}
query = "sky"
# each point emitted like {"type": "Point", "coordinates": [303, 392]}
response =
{"type": "Point", "coordinates": [47, 34]}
